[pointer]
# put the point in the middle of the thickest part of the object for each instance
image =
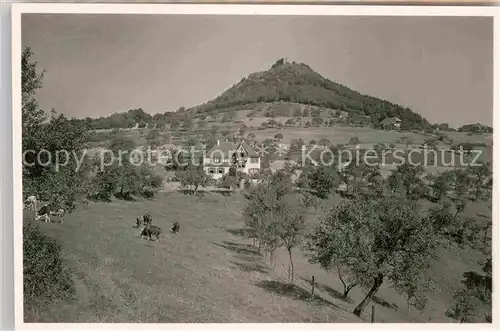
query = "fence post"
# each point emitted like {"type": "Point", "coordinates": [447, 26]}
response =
{"type": "Point", "coordinates": [312, 289]}
{"type": "Point", "coordinates": [373, 313]}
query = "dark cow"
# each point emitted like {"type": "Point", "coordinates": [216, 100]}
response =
{"type": "Point", "coordinates": [151, 230]}
{"type": "Point", "coordinates": [176, 227]}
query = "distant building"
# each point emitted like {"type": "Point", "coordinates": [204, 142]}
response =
{"type": "Point", "coordinates": [391, 123]}
{"type": "Point", "coordinates": [224, 155]}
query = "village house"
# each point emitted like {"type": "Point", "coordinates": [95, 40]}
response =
{"type": "Point", "coordinates": [391, 123]}
{"type": "Point", "coordinates": [224, 155]}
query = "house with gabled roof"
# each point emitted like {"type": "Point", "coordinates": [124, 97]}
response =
{"type": "Point", "coordinates": [391, 123]}
{"type": "Point", "coordinates": [224, 155]}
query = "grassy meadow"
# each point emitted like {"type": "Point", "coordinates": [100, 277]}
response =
{"type": "Point", "coordinates": [209, 272]}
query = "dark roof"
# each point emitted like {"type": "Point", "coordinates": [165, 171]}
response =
{"type": "Point", "coordinates": [225, 147]}
{"type": "Point", "coordinates": [249, 149]}
{"type": "Point", "coordinates": [390, 120]}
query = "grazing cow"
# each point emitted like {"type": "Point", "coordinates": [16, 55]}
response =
{"type": "Point", "coordinates": [60, 213]}
{"type": "Point", "coordinates": [139, 221]}
{"type": "Point", "coordinates": [176, 227]}
{"type": "Point", "coordinates": [151, 230]}
{"type": "Point", "coordinates": [148, 219]}
{"type": "Point", "coordinates": [43, 212]}
{"type": "Point", "coordinates": [30, 202]}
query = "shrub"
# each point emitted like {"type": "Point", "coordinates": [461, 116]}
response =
{"type": "Point", "coordinates": [46, 278]}
{"type": "Point", "coordinates": [148, 192]}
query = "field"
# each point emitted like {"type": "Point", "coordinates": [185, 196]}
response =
{"type": "Point", "coordinates": [209, 273]}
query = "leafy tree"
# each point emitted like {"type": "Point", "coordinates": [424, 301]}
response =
{"type": "Point", "coordinates": [480, 176]}
{"type": "Point", "coordinates": [354, 141]}
{"type": "Point", "coordinates": [264, 212]}
{"type": "Point", "coordinates": [407, 179]}
{"type": "Point", "coordinates": [448, 222]}
{"type": "Point", "coordinates": [430, 143]}
{"type": "Point", "coordinates": [194, 177]}
{"type": "Point", "coordinates": [322, 180]}
{"type": "Point", "coordinates": [55, 135]}
{"type": "Point", "coordinates": [324, 142]}
{"type": "Point", "coordinates": [278, 136]}
{"type": "Point", "coordinates": [296, 145]}
{"type": "Point", "coordinates": [290, 213]}
{"type": "Point", "coordinates": [378, 240]}
{"type": "Point", "coordinates": [317, 121]}
{"type": "Point", "coordinates": [441, 185]}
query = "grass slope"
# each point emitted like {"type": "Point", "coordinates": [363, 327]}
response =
{"type": "Point", "coordinates": [208, 273]}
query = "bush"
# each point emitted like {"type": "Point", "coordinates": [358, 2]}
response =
{"type": "Point", "coordinates": [46, 278]}
{"type": "Point", "coordinates": [149, 192]}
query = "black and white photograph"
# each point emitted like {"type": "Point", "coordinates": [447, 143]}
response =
{"type": "Point", "coordinates": [268, 166]}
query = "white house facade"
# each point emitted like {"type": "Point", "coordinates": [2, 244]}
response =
{"type": "Point", "coordinates": [225, 155]}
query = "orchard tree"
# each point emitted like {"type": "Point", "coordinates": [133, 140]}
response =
{"type": "Point", "coordinates": [324, 142]}
{"type": "Point", "coordinates": [354, 141]}
{"type": "Point", "coordinates": [378, 240]}
{"type": "Point", "coordinates": [407, 179]}
{"type": "Point", "coordinates": [193, 176]}
{"type": "Point", "coordinates": [321, 180]}
{"type": "Point", "coordinates": [290, 214]}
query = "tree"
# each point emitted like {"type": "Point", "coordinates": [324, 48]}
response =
{"type": "Point", "coordinates": [407, 179]}
{"type": "Point", "coordinates": [324, 142]}
{"type": "Point", "coordinates": [251, 136]}
{"type": "Point", "coordinates": [290, 215]}
{"type": "Point", "coordinates": [278, 137]}
{"type": "Point", "coordinates": [45, 276]}
{"type": "Point", "coordinates": [480, 176]}
{"type": "Point", "coordinates": [430, 143]}
{"type": "Point", "coordinates": [322, 180]}
{"type": "Point", "coordinates": [296, 145]}
{"type": "Point", "coordinates": [441, 186]}
{"type": "Point", "coordinates": [193, 176]}
{"type": "Point", "coordinates": [317, 121]}
{"type": "Point", "coordinates": [378, 240]}
{"type": "Point", "coordinates": [448, 223]}
{"type": "Point", "coordinates": [55, 134]}
{"type": "Point", "coordinates": [265, 212]}
{"type": "Point", "coordinates": [354, 141]}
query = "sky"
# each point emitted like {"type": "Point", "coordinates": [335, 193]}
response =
{"type": "Point", "coordinates": [96, 65]}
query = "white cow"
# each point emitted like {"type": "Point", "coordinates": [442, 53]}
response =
{"type": "Point", "coordinates": [45, 212]}
{"type": "Point", "coordinates": [31, 202]}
